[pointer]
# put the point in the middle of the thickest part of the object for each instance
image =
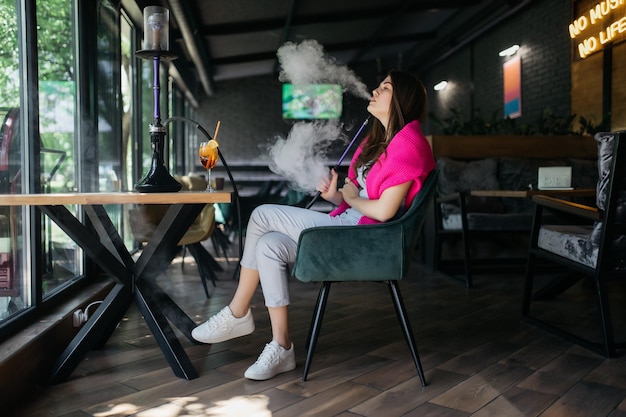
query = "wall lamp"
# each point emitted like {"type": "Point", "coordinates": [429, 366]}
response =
{"type": "Point", "coordinates": [441, 85]}
{"type": "Point", "coordinates": [509, 51]}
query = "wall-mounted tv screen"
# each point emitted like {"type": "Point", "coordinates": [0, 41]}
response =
{"type": "Point", "coordinates": [312, 101]}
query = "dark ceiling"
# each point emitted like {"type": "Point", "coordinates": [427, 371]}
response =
{"type": "Point", "coordinates": [228, 39]}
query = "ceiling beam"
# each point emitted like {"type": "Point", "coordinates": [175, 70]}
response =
{"type": "Point", "coordinates": [195, 46]}
{"type": "Point", "coordinates": [279, 23]}
{"type": "Point", "coordinates": [383, 28]}
{"type": "Point", "coordinates": [285, 34]}
{"type": "Point", "coordinates": [334, 47]}
{"type": "Point", "coordinates": [466, 33]}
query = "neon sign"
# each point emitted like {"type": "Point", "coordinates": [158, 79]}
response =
{"type": "Point", "coordinates": [603, 23]}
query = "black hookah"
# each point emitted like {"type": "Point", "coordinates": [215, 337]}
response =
{"type": "Point", "coordinates": [156, 48]}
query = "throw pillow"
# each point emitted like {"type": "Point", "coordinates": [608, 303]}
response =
{"type": "Point", "coordinates": [462, 176]}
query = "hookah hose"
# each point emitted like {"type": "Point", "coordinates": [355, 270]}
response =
{"type": "Point", "coordinates": [340, 160]}
{"type": "Point", "coordinates": [228, 172]}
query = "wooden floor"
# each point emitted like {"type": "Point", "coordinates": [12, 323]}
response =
{"type": "Point", "coordinates": [479, 359]}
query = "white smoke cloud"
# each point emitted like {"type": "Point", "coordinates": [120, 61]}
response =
{"type": "Point", "coordinates": [301, 157]}
{"type": "Point", "coordinates": [307, 63]}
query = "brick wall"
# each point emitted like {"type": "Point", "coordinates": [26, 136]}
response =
{"type": "Point", "coordinates": [618, 105]}
{"type": "Point", "coordinates": [476, 74]}
{"type": "Point", "coordinates": [250, 113]}
{"type": "Point", "coordinates": [250, 109]}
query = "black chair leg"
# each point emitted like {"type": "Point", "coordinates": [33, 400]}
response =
{"type": "Point", "coordinates": [605, 318]}
{"type": "Point", "coordinates": [220, 241]}
{"type": "Point", "coordinates": [205, 264]}
{"type": "Point", "coordinates": [204, 285]}
{"type": "Point", "coordinates": [467, 260]}
{"type": "Point", "coordinates": [394, 289]}
{"type": "Point", "coordinates": [316, 325]}
{"type": "Point", "coordinates": [182, 256]}
{"type": "Point", "coordinates": [528, 285]}
{"type": "Point", "coordinates": [317, 306]}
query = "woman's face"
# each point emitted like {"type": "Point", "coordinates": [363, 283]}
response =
{"type": "Point", "coordinates": [380, 103]}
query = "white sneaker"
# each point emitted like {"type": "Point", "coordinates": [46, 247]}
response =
{"type": "Point", "coordinates": [223, 326]}
{"type": "Point", "coordinates": [274, 360]}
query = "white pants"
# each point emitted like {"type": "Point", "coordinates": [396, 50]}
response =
{"type": "Point", "coordinates": [271, 242]}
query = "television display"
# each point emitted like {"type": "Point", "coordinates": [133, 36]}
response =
{"type": "Point", "coordinates": [312, 101]}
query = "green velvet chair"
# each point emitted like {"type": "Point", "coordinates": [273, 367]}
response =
{"type": "Point", "coordinates": [378, 253]}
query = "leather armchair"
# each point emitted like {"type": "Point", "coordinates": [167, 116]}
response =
{"type": "Point", "coordinates": [583, 241]}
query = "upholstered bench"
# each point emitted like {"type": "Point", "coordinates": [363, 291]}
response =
{"type": "Point", "coordinates": [504, 168]}
{"type": "Point", "coordinates": [569, 241]}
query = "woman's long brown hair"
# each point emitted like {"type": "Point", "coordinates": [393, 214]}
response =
{"type": "Point", "coordinates": [408, 103]}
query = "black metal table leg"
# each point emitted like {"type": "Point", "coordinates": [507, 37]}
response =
{"type": "Point", "coordinates": [163, 333]}
{"type": "Point", "coordinates": [135, 281]}
{"type": "Point", "coordinates": [110, 311]}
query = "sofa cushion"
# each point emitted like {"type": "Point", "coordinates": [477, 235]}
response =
{"type": "Point", "coordinates": [584, 172]}
{"type": "Point", "coordinates": [521, 174]}
{"type": "Point", "coordinates": [517, 174]}
{"type": "Point", "coordinates": [481, 174]}
{"type": "Point", "coordinates": [569, 241]}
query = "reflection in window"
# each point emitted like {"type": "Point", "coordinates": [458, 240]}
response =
{"type": "Point", "coordinates": [57, 110]}
{"type": "Point", "coordinates": [14, 290]}
{"type": "Point", "coordinates": [129, 150]}
{"type": "Point", "coordinates": [110, 145]}
{"type": "Point", "coordinates": [127, 76]}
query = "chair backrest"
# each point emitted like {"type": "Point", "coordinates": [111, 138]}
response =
{"type": "Point", "coordinates": [610, 233]}
{"type": "Point", "coordinates": [374, 252]}
{"type": "Point", "coordinates": [413, 220]}
{"type": "Point", "coordinates": [145, 218]}
{"type": "Point", "coordinates": [191, 182]}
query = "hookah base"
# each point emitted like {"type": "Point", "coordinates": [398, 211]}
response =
{"type": "Point", "coordinates": [157, 188]}
{"type": "Point", "coordinates": [158, 181]}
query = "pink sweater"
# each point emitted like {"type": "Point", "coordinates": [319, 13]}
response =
{"type": "Point", "coordinates": [407, 158]}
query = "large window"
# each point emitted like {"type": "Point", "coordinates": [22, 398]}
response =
{"type": "Point", "coordinates": [14, 291]}
{"type": "Point", "coordinates": [57, 123]}
{"type": "Point", "coordinates": [64, 121]}
{"type": "Point", "coordinates": [75, 108]}
{"type": "Point", "coordinates": [129, 133]}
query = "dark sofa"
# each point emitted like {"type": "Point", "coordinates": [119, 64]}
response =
{"type": "Point", "coordinates": [501, 169]}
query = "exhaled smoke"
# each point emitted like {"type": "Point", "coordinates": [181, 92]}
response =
{"type": "Point", "coordinates": [306, 63]}
{"type": "Point", "coordinates": [301, 157]}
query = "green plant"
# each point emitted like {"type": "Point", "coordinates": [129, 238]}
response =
{"type": "Point", "coordinates": [587, 126]}
{"type": "Point", "coordinates": [552, 124]}
{"type": "Point", "coordinates": [456, 124]}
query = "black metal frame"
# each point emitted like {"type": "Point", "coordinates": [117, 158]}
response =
{"type": "Point", "coordinates": [135, 281]}
{"type": "Point", "coordinates": [441, 234]}
{"type": "Point", "coordinates": [403, 318]}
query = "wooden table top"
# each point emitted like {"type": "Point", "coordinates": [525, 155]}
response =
{"type": "Point", "coordinates": [582, 192]}
{"type": "Point", "coordinates": [131, 197]}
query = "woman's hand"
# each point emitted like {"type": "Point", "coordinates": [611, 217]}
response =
{"type": "Point", "coordinates": [381, 209]}
{"type": "Point", "coordinates": [328, 188]}
{"type": "Point", "coordinates": [349, 191]}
